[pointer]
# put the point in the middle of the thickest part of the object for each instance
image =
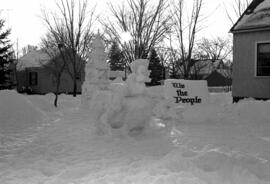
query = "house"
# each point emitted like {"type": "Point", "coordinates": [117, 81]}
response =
{"type": "Point", "coordinates": [218, 78]}
{"type": "Point", "coordinates": [216, 73]}
{"type": "Point", "coordinates": [34, 77]}
{"type": "Point", "coordinates": [203, 68]}
{"type": "Point", "coordinates": [251, 52]}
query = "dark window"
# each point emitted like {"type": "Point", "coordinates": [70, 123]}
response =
{"type": "Point", "coordinates": [263, 59]}
{"type": "Point", "coordinates": [33, 78]}
{"type": "Point", "coordinates": [78, 76]}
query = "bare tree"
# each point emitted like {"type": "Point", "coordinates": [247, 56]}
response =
{"type": "Point", "coordinates": [56, 65]}
{"type": "Point", "coordinates": [71, 26]}
{"type": "Point", "coordinates": [236, 9]}
{"type": "Point", "coordinates": [214, 49]}
{"type": "Point", "coordinates": [209, 51]}
{"type": "Point", "coordinates": [185, 32]}
{"type": "Point", "coordinates": [146, 23]}
{"type": "Point", "coordinates": [28, 48]}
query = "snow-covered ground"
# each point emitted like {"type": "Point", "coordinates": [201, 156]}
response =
{"type": "Point", "coordinates": [215, 143]}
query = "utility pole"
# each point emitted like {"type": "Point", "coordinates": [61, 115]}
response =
{"type": "Point", "coordinates": [17, 49]}
{"type": "Point", "coordinates": [15, 63]}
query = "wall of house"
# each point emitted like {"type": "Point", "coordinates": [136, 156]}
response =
{"type": "Point", "coordinates": [45, 81]}
{"type": "Point", "coordinates": [245, 83]}
{"type": "Point", "coordinates": [217, 79]}
{"type": "Point", "coordinates": [21, 80]}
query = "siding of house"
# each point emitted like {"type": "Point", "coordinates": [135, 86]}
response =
{"type": "Point", "coordinates": [245, 83]}
{"type": "Point", "coordinates": [34, 61]}
{"type": "Point", "coordinates": [45, 81]}
{"type": "Point", "coordinates": [216, 79]}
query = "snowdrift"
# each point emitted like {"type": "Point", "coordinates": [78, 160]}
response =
{"type": "Point", "coordinates": [17, 112]}
{"type": "Point", "coordinates": [217, 143]}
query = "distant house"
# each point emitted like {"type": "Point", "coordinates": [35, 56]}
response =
{"type": "Point", "coordinates": [218, 79]}
{"type": "Point", "coordinates": [251, 52]}
{"type": "Point", "coordinates": [215, 73]}
{"type": "Point", "coordinates": [34, 77]}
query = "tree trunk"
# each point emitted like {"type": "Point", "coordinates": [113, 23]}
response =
{"type": "Point", "coordinates": [55, 99]}
{"type": "Point", "coordinates": [74, 86]}
{"type": "Point", "coordinates": [57, 90]}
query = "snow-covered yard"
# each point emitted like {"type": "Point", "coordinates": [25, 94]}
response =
{"type": "Point", "coordinates": [216, 143]}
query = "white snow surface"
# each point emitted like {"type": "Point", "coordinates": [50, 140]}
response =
{"type": "Point", "coordinates": [218, 142]}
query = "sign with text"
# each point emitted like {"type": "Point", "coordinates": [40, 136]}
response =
{"type": "Point", "coordinates": [186, 92]}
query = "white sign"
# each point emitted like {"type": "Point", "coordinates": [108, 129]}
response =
{"type": "Point", "coordinates": [186, 92]}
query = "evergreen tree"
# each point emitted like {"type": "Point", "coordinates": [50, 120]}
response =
{"type": "Point", "coordinates": [6, 55]}
{"type": "Point", "coordinates": [157, 69]}
{"type": "Point", "coordinates": [116, 60]}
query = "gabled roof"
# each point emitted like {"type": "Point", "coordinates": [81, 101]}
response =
{"type": "Point", "coordinates": [35, 58]}
{"type": "Point", "coordinates": [205, 67]}
{"type": "Point", "coordinates": [256, 16]}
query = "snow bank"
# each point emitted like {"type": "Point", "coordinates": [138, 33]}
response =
{"type": "Point", "coordinates": [43, 102]}
{"type": "Point", "coordinates": [220, 106]}
{"type": "Point", "coordinates": [17, 112]}
{"type": "Point", "coordinates": [253, 110]}
{"type": "Point", "coordinates": [156, 91]}
{"type": "Point", "coordinates": [46, 102]}
{"type": "Point", "coordinates": [195, 151]}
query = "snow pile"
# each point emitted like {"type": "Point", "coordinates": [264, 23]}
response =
{"type": "Point", "coordinates": [43, 102]}
{"type": "Point", "coordinates": [46, 102]}
{"type": "Point", "coordinates": [201, 114]}
{"type": "Point", "coordinates": [156, 91]}
{"type": "Point", "coordinates": [17, 112]}
{"type": "Point", "coordinates": [252, 110]}
{"type": "Point", "coordinates": [217, 143]}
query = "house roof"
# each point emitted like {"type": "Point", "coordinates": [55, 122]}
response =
{"type": "Point", "coordinates": [225, 72]}
{"type": "Point", "coordinates": [218, 79]}
{"type": "Point", "coordinates": [205, 67]}
{"type": "Point", "coordinates": [35, 58]}
{"type": "Point", "coordinates": [256, 16]}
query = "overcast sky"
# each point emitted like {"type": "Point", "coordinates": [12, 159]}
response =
{"type": "Point", "coordinates": [23, 17]}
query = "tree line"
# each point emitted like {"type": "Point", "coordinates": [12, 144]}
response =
{"type": "Point", "coordinates": [164, 32]}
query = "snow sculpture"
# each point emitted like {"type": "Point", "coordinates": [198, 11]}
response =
{"type": "Point", "coordinates": [166, 115]}
{"type": "Point", "coordinates": [186, 92]}
{"type": "Point", "coordinates": [96, 72]}
{"type": "Point", "coordinates": [125, 106]}
{"type": "Point", "coordinates": [140, 75]}
{"type": "Point", "coordinates": [129, 108]}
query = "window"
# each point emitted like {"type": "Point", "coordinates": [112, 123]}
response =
{"type": "Point", "coordinates": [263, 59]}
{"type": "Point", "coordinates": [78, 76]}
{"type": "Point", "coordinates": [33, 80]}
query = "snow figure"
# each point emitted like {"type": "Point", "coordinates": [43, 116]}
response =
{"type": "Point", "coordinates": [140, 75]}
{"type": "Point", "coordinates": [165, 115]}
{"type": "Point", "coordinates": [137, 105]}
{"type": "Point", "coordinates": [125, 106]}
{"type": "Point", "coordinates": [96, 72]}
